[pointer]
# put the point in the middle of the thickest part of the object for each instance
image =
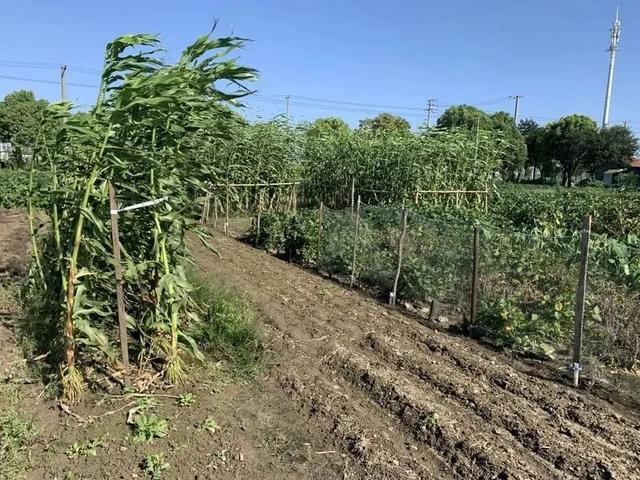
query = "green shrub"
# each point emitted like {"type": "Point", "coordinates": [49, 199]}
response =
{"type": "Point", "coordinates": [14, 187]}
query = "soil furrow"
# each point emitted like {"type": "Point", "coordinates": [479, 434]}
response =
{"type": "Point", "coordinates": [441, 423]}
{"type": "Point", "coordinates": [373, 440]}
{"type": "Point", "coordinates": [563, 403]}
{"type": "Point", "coordinates": [532, 427]}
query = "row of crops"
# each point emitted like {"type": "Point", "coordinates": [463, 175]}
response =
{"type": "Point", "coordinates": [528, 278]}
{"type": "Point", "coordinates": [145, 137]}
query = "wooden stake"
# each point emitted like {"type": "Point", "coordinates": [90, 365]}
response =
{"type": "Point", "coordinates": [432, 310]}
{"type": "Point", "coordinates": [320, 218]}
{"type": "Point", "coordinates": [122, 315]}
{"type": "Point", "coordinates": [580, 300]}
{"type": "Point", "coordinates": [258, 217]}
{"type": "Point", "coordinates": [393, 295]}
{"type": "Point", "coordinates": [475, 275]}
{"type": "Point", "coordinates": [355, 244]}
{"type": "Point", "coordinates": [353, 192]}
{"type": "Point", "coordinates": [226, 213]}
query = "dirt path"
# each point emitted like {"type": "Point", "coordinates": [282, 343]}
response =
{"type": "Point", "coordinates": [405, 401]}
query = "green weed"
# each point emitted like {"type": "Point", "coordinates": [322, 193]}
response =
{"type": "Point", "coordinates": [155, 465]}
{"type": "Point", "coordinates": [148, 427]}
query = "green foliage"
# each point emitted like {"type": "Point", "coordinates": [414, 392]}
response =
{"type": "Point", "coordinates": [228, 327]}
{"type": "Point", "coordinates": [570, 141]}
{"type": "Point", "coordinates": [20, 117]}
{"type": "Point", "coordinates": [614, 148]}
{"type": "Point", "coordinates": [88, 448]}
{"type": "Point", "coordinates": [14, 188]}
{"type": "Point", "coordinates": [465, 116]}
{"type": "Point", "coordinates": [186, 399]}
{"type": "Point", "coordinates": [147, 427]}
{"type": "Point", "coordinates": [385, 122]}
{"type": "Point", "coordinates": [16, 434]}
{"type": "Point", "coordinates": [389, 166]}
{"type": "Point", "coordinates": [513, 151]}
{"type": "Point", "coordinates": [210, 425]}
{"type": "Point", "coordinates": [155, 465]}
{"type": "Point", "coordinates": [327, 126]}
{"type": "Point", "coordinates": [615, 212]}
{"type": "Point", "coordinates": [145, 135]}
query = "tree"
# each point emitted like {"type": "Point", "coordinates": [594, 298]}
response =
{"type": "Point", "coordinates": [515, 151]}
{"type": "Point", "coordinates": [465, 116]}
{"type": "Point", "coordinates": [20, 116]}
{"type": "Point", "coordinates": [534, 140]}
{"type": "Point", "coordinates": [328, 126]}
{"type": "Point", "coordinates": [571, 141]}
{"type": "Point", "coordinates": [614, 148]}
{"type": "Point", "coordinates": [385, 122]}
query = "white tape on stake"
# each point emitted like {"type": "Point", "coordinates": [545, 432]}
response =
{"type": "Point", "coordinates": [148, 203]}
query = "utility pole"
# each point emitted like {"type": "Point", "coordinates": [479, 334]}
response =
{"type": "Point", "coordinates": [63, 71]}
{"type": "Point", "coordinates": [613, 49]}
{"type": "Point", "coordinates": [430, 109]}
{"type": "Point", "coordinates": [515, 110]}
{"type": "Point", "coordinates": [286, 108]}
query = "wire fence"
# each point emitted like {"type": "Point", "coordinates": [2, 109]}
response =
{"type": "Point", "coordinates": [518, 289]}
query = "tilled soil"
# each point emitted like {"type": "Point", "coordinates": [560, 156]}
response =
{"type": "Point", "coordinates": [352, 389]}
{"type": "Point", "coordinates": [407, 401]}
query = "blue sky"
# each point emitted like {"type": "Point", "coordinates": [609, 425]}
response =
{"type": "Point", "coordinates": [373, 52]}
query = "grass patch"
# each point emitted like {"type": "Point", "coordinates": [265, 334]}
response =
{"type": "Point", "coordinates": [228, 329]}
{"type": "Point", "coordinates": [16, 434]}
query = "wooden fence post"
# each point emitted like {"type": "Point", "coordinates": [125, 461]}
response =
{"type": "Point", "coordinates": [258, 216]}
{"type": "Point", "coordinates": [122, 315]}
{"type": "Point", "coordinates": [475, 274]}
{"type": "Point", "coordinates": [355, 244]}
{"type": "Point", "coordinates": [580, 300]}
{"type": "Point", "coordinates": [320, 219]}
{"type": "Point", "coordinates": [226, 213]}
{"type": "Point", "coordinates": [393, 294]}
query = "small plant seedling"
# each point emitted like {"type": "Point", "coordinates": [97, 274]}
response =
{"type": "Point", "coordinates": [155, 465]}
{"type": "Point", "coordinates": [209, 425]}
{"type": "Point", "coordinates": [147, 427]}
{"type": "Point", "coordinates": [430, 421]}
{"type": "Point", "coordinates": [145, 403]}
{"type": "Point", "coordinates": [87, 448]}
{"type": "Point", "coordinates": [186, 399]}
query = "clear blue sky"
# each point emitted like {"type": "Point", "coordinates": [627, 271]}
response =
{"type": "Point", "coordinates": [363, 51]}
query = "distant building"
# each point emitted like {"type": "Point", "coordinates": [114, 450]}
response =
{"type": "Point", "coordinates": [611, 176]}
{"type": "Point", "coordinates": [634, 166]}
{"type": "Point", "coordinates": [5, 152]}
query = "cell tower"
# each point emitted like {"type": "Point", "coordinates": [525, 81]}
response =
{"type": "Point", "coordinates": [613, 49]}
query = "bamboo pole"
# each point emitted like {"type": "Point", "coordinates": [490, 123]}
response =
{"type": "Point", "coordinates": [355, 244]}
{"type": "Point", "coordinates": [580, 300]}
{"type": "Point", "coordinates": [394, 293]}
{"type": "Point", "coordinates": [122, 315]}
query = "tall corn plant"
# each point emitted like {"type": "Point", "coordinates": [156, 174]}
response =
{"type": "Point", "coordinates": [144, 135]}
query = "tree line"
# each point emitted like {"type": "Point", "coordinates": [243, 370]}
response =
{"type": "Point", "coordinates": [561, 150]}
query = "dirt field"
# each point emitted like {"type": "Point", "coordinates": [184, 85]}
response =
{"type": "Point", "coordinates": [352, 390]}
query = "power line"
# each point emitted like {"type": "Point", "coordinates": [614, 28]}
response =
{"type": "Point", "coordinates": [47, 66]}
{"type": "Point", "coordinates": [49, 82]}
